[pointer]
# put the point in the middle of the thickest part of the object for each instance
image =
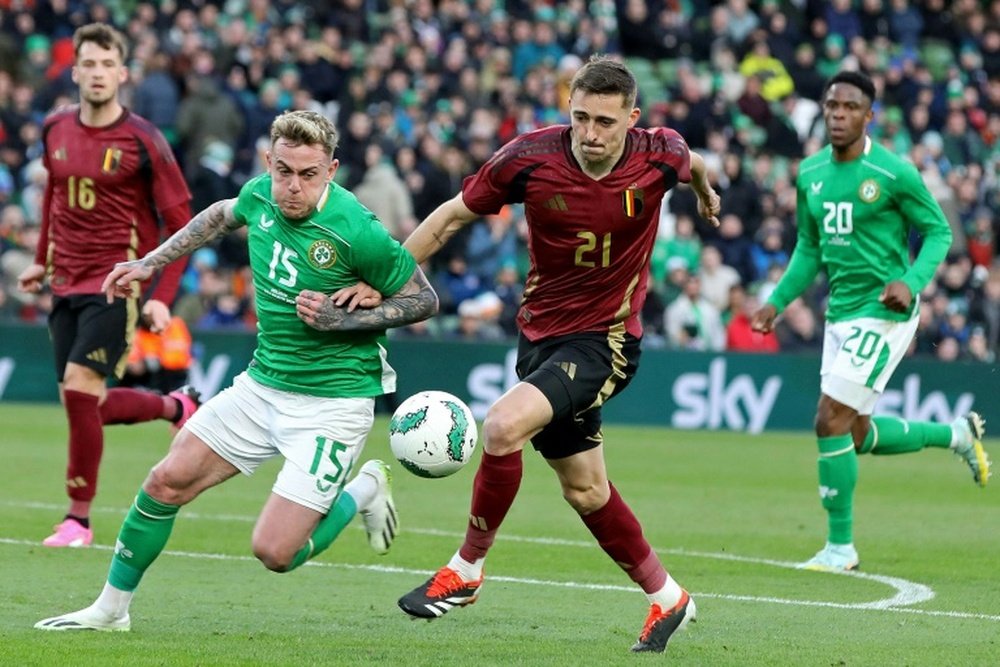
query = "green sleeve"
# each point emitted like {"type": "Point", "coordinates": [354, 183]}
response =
{"type": "Point", "coordinates": [381, 261]}
{"type": "Point", "coordinates": [245, 200]}
{"type": "Point", "coordinates": [917, 204]}
{"type": "Point", "coordinates": [805, 261]}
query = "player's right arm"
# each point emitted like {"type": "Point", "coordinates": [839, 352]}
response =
{"type": "Point", "coordinates": [214, 222]}
{"type": "Point", "coordinates": [801, 271]}
{"type": "Point", "coordinates": [431, 235]}
{"type": "Point", "coordinates": [31, 278]}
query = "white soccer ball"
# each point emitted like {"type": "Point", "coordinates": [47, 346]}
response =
{"type": "Point", "coordinates": [433, 434]}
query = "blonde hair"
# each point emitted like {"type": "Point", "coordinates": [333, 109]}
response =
{"type": "Point", "coordinates": [305, 128]}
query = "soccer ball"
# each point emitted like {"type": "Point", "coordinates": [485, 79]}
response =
{"type": "Point", "coordinates": [433, 434]}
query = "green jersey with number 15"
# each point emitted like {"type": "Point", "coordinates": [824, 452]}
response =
{"type": "Point", "coordinates": [854, 222]}
{"type": "Point", "coordinates": [340, 243]}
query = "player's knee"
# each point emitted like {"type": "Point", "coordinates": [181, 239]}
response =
{"type": "Point", "coordinates": [160, 485]}
{"type": "Point", "coordinates": [501, 432]}
{"type": "Point", "coordinates": [585, 499]}
{"type": "Point", "coordinates": [273, 559]}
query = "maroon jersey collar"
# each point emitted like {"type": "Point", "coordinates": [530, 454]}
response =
{"type": "Point", "coordinates": [568, 148]}
{"type": "Point", "coordinates": [115, 123]}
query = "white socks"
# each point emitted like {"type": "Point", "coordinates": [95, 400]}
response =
{"type": "Point", "coordinates": [363, 489]}
{"type": "Point", "coordinates": [113, 601]}
{"type": "Point", "coordinates": [668, 596]}
{"type": "Point", "coordinates": [468, 571]}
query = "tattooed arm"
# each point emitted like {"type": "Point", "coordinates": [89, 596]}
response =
{"type": "Point", "coordinates": [215, 221]}
{"type": "Point", "coordinates": [414, 301]}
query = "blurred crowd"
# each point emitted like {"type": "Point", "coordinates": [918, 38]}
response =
{"type": "Point", "coordinates": [424, 92]}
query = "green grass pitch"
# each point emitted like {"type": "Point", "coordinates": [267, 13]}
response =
{"type": "Point", "coordinates": [728, 513]}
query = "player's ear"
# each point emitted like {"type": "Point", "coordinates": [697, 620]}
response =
{"type": "Point", "coordinates": [334, 164]}
{"type": "Point", "coordinates": [122, 74]}
{"type": "Point", "coordinates": [633, 116]}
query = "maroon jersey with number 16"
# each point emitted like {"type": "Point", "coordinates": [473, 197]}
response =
{"type": "Point", "coordinates": [106, 187]}
{"type": "Point", "coordinates": [589, 240]}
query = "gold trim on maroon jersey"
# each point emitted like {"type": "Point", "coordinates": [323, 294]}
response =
{"type": "Point", "coordinates": [112, 160]}
{"type": "Point", "coordinates": [632, 201]}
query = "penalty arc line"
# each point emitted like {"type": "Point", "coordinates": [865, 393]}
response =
{"type": "Point", "coordinates": [907, 592]}
{"type": "Point", "coordinates": [867, 606]}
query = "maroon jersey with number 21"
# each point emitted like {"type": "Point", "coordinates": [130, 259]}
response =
{"type": "Point", "coordinates": [589, 240]}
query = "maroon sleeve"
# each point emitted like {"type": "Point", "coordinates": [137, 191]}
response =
{"type": "Point", "coordinates": [676, 151]}
{"type": "Point", "coordinates": [169, 187]}
{"type": "Point", "coordinates": [170, 278]}
{"type": "Point", "coordinates": [42, 250]}
{"type": "Point", "coordinates": [485, 192]}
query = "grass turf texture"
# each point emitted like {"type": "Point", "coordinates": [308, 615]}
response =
{"type": "Point", "coordinates": [716, 506]}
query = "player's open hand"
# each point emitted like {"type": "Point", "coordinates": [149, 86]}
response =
{"type": "Point", "coordinates": [156, 315]}
{"type": "Point", "coordinates": [360, 295]}
{"type": "Point", "coordinates": [709, 206]}
{"type": "Point", "coordinates": [896, 296]}
{"type": "Point", "coordinates": [30, 280]}
{"type": "Point", "coordinates": [124, 279]}
{"type": "Point", "coordinates": [763, 319]}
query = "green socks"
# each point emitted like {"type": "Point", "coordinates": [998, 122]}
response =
{"type": "Point", "coordinates": [140, 540]}
{"type": "Point", "coordinates": [892, 435]}
{"type": "Point", "coordinates": [838, 475]}
{"type": "Point", "coordinates": [327, 530]}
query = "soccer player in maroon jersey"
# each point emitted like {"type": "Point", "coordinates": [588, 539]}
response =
{"type": "Point", "coordinates": [592, 194]}
{"type": "Point", "coordinates": [112, 181]}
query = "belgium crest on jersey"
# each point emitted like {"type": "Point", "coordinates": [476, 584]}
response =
{"type": "Point", "coordinates": [112, 160]}
{"type": "Point", "coordinates": [632, 201]}
{"type": "Point", "coordinates": [869, 191]}
{"type": "Point", "coordinates": [322, 254]}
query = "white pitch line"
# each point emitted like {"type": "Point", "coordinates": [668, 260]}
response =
{"type": "Point", "coordinates": [907, 592]}
{"type": "Point", "coordinates": [560, 584]}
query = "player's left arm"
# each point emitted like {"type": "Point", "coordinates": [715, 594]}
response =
{"type": "Point", "coordinates": [416, 300]}
{"type": "Point", "coordinates": [917, 203]}
{"type": "Point", "coordinates": [156, 309]}
{"type": "Point", "coordinates": [709, 203]}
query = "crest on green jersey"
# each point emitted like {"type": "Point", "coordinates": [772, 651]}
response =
{"type": "Point", "coordinates": [869, 191]}
{"type": "Point", "coordinates": [322, 254]}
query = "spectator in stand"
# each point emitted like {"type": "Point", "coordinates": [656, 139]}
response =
{"type": "Point", "coordinates": [385, 194]}
{"type": "Point", "coordinates": [683, 244]}
{"type": "Point", "coordinates": [978, 347]}
{"type": "Point", "coordinates": [735, 248]}
{"type": "Point", "coordinates": [213, 177]}
{"type": "Point", "coordinates": [492, 243]}
{"type": "Point", "coordinates": [692, 322]}
{"type": "Point", "coordinates": [740, 337]}
{"type": "Point", "coordinates": [160, 361]}
{"type": "Point", "coordinates": [716, 278]}
{"type": "Point", "coordinates": [768, 247]}
{"type": "Point", "coordinates": [798, 330]}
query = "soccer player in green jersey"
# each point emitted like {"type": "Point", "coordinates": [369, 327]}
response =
{"type": "Point", "coordinates": [857, 202]}
{"type": "Point", "coordinates": [309, 392]}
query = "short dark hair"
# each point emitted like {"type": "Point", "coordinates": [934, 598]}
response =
{"type": "Point", "coordinates": [603, 76]}
{"type": "Point", "coordinates": [859, 80]}
{"type": "Point", "coordinates": [101, 34]}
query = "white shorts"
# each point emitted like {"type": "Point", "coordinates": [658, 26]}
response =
{"type": "Point", "coordinates": [859, 357]}
{"type": "Point", "coordinates": [320, 438]}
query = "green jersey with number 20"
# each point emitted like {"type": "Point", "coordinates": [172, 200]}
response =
{"type": "Point", "coordinates": [854, 222]}
{"type": "Point", "coordinates": [340, 243]}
